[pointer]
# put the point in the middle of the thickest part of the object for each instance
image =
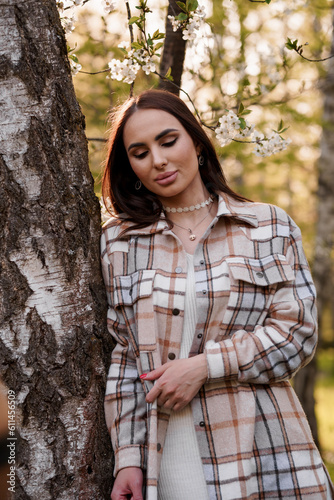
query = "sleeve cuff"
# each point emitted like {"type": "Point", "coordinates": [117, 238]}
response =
{"type": "Point", "coordinates": [130, 456]}
{"type": "Point", "coordinates": [221, 359]}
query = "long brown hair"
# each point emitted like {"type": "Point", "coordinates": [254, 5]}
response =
{"type": "Point", "coordinates": [118, 183]}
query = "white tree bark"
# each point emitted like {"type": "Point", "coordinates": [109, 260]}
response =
{"type": "Point", "coordinates": [53, 342]}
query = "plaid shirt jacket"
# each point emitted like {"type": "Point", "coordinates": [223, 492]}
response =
{"type": "Point", "coordinates": [256, 322]}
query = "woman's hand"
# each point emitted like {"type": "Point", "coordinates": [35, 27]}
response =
{"type": "Point", "coordinates": [177, 382]}
{"type": "Point", "coordinates": [128, 484]}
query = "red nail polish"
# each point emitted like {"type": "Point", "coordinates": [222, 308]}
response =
{"type": "Point", "coordinates": [143, 375]}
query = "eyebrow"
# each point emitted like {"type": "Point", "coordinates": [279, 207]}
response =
{"type": "Point", "coordinates": [156, 138]}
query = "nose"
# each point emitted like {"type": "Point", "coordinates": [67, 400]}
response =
{"type": "Point", "coordinates": [159, 158]}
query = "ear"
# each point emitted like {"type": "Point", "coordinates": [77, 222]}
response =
{"type": "Point", "coordinates": [198, 149]}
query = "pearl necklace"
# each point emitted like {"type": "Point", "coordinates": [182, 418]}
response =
{"type": "Point", "coordinates": [193, 236]}
{"type": "Point", "coordinates": [191, 208]}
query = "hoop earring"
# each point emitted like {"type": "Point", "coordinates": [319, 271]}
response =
{"type": "Point", "coordinates": [138, 185]}
{"type": "Point", "coordinates": [201, 160]}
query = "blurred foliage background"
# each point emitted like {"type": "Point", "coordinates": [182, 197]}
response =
{"type": "Point", "coordinates": [239, 57]}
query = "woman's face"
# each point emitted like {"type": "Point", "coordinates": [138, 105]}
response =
{"type": "Point", "coordinates": [162, 155]}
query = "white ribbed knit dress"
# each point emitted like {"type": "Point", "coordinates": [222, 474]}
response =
{"type": "Point", "coordinates": [181, 473]}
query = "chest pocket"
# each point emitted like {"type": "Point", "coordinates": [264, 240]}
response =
{"type": "Point", "coordinates": [253, 283]}
{"type": "Point", "coordinates": [133, 294]}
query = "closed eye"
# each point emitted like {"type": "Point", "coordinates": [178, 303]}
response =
{"type": "Point", "coordinates": [169, 143]}
{"type": "Point", "coordinates": [140, 155]}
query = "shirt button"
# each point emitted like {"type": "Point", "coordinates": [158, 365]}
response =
{"type": "Point", "coordinates": [158, 446]}
{"type": "Point", "coordinates": [178, 270]}
{"type": "Point", "coordinates": [171, 355]}
{"type": "Point", "coordinates": [202, 424]}
{"type": "Point", "coordinates": [259, 275]}
{"type": "Point", "coordinates": [176, 312]}
{"type": "Point", "coordinates": [204, 292]}
{"type": "Point", "coordinates": [201, 262]}
{"type": "Point", "coordinates": [200, 335]}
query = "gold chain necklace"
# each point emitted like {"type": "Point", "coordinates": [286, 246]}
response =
{"type": "Point", "coordinates": [193, 236]}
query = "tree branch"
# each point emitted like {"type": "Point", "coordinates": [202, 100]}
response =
{"type": "Point", "coordinates": [131, 38]}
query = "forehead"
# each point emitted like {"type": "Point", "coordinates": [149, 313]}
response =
{"type": "Point", "coordinates": [146, 122]}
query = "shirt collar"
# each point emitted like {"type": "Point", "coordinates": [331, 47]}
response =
{"type": "Point", "coordinates": [227, 207]}
{"type": "Point", "coordinates": [240, 210]}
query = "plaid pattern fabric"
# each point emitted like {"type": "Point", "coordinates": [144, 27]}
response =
{"type": "Point", "coordinates": [257, 326]}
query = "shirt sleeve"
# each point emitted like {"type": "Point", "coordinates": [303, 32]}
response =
{"type": "Point", "coordinates": [125, 406]}
{"type": "Point", "coordinates": [285, 342]}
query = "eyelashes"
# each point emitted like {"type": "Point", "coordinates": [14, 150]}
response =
{"type": "Point", "coordinates": [168, 144]}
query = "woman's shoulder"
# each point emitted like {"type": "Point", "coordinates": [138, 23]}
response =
{"type": "Point", "coordinates": [266, 214]}
{"type": "Point", "coordinates": [262, 210]}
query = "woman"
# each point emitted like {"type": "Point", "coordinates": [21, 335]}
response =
{"type": "Point", "coordinates": [211, 305]}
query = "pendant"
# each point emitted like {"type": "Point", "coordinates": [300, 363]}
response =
{"type": "Point", "coordinates": [192, 237]}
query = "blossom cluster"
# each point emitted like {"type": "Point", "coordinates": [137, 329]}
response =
{"type": "Point", "coordinates": [127, 69]}
{"type": "Point", "coordinates": [270, 145]}
{"type": "Point", "coordinates": [231, 127]}
{"type": "Point", "coordinates": [191, 26]}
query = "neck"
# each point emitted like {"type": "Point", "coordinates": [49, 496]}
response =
{"type": "Point", "coordinates": [187, 200]}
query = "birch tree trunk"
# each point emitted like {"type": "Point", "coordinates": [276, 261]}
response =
{"type": "Point", "coordinates": [323, 269]}
{"type": "Point", "coordinates": [54, 347]}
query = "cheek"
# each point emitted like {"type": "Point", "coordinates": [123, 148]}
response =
{"type": "Point", "coordinates": [140, 170]}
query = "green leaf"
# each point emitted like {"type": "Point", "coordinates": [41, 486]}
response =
{"type": "Point", "coordinates": [241, 108]}
{"type": "Point", "coordinates": [182, 6]}
{"type": "Point", "coordinates": [191, 5]}
{"type": "Point", "coordinates": [136, 45]}
{"type": "Point", "coordinates": [133, 20]}
{"type": "Point", "coordinates": [246, 112]}
{"type": "Point", "coordinates": [74, 58]}
{"type": "Point", "coordinates": [242, 123]}
{"type": "Point", "coordinates": [268, 1]}
{"type": "Point", "coordinates": [168, 75]}
{"type": "Point", "coordinates": [182, 16]}
{"type": "Point", "coordinates": [155, 34]}
{"type": "Point", "coordinates": [280, 125]}
{"type": "Point", "coordinates": [149, 42]}
{"type": "Point", "coordinates": [158, 46]}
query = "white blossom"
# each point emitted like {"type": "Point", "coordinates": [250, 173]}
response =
{"type": "Point", "coordinates": [230, 129]}
{"type": "Point", "coordinates": [190, 30]}
{"type": "Point", "coordinates": [176, 24]}
{"type": "Point", "coordinates": [125, 71]}
{"type": "Point", "coordinates": [123, 45]}
{"type": "Point", "coordinates": [75, 66]}
{"type": "Point", "coordinates": [274, 144]}
{"type": "Point", "coordinates": [68, 24]}
{"type": "Point", "coordinates": [149, 66]}
{"type": "Point", "coordinates": [108, 6]}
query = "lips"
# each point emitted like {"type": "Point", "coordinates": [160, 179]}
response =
{"type": "Point", "coordinates": [166, 177]}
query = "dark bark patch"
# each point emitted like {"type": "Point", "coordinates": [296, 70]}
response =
{"type": "Point", "coordinates": [5, 67]}
{"type": "Point", "coordinates": [33, 68]}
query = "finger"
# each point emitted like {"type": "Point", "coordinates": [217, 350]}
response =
{"type": "Point", "coordinates": [154, 374]}
{"type": "Point", "coordinates": [153, 394]}
{"type": "Point", "coordinates": [168, 404]}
